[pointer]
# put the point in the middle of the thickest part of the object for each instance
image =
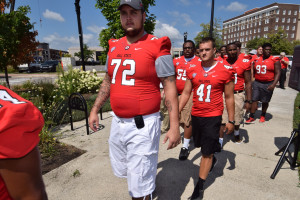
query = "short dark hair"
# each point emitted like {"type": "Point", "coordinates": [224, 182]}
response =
{"type": "Point", "coordinates": [208, 39]}
{"type": "Point", "coordinates": [232, 43]}
{"type": "Point", "coordinates": [238, 44]}
{"type": "Point", "coordinates": [189, 41]}
{"type": "Point", "coordinates": [222, 47]}
{"type": "Point", "coordinates": [266, 45]}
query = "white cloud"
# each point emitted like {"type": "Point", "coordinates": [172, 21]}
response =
{"type": "Point", "coordinates": [234, 6]}
{"type": "Point", "coordinates": [53, 15]}
{"type": "Point", "coordinates": [64, 42]}
{"type": "Point", "coordinates": [162, 29]}
{"type": "Point", "coordinates": [185, 2]}
{"type": "Point", "coordinates": [181, 18]}
{"type": "Point", "coordinates": [95, 29]}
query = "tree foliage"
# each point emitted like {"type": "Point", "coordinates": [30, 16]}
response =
{"type": "Point", "coordinates": [217, 33]}
{"type": "Point", "coordinates": [17, 40]}
{"type": "Point", "coordinates": [86, 52]}
{"type": "Point", "coordinates": [109, 9]}
{"type": "Point", "coordinates": [279, 42]}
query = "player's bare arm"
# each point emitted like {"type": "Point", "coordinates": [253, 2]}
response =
{"type": "Point", "coordinates": [186, 93]}
{"type": "Point", "coordinates": [173, 135]}
{"type": "Point", "coordinates": [103, 95]}
{"type": "Point", "coordinates": [277, 67]}
{"type": "Point", "coordinates": [248, 88]}
{"type": "Point", "coordinates": [229, 100]}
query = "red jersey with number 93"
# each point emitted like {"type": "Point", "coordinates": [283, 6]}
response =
{"type": "Point", "coordinates": [208, 88]}
{"type": "Point", "coordinates": [134, 86]}
{"type": "Point", "coordinates": [264, 70]}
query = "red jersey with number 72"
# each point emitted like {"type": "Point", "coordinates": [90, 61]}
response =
{"type": "Point", "coordinates": [264, 69]}
{"type": "Point", "coordinates": [134, 70]}
{"type": "Point", "coordinates": [181, 65]}
{"type": "Point", "coordinates": [208, 88]}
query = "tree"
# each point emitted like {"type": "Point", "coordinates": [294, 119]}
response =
{"type": "Point", "coordinates": [217, 33]}
{"type": "Point", "coordinates": [17, 41]}
{"type": "Point", "coordinates": [279, 42]}
{"type": "Point", "coordinates": [87, 53]}
{"type": "Point", "coordinates": [109, 10]}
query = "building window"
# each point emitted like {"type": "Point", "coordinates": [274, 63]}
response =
{"type": "Point", "coordinates": [246, 39]}
{"type": "Point", "coordinates": [266, 28]}
{"type": "Point", "coordinates": [246, 32]}
{"type": "Point", "coordinates": [292, 35]}
{"type": "Point", "coordinates": [238, 28]}
{"type": "Point", "coordinates": [258, 36]}
{"type": "Point", "coordinates": [282, 27]}
{"type": "Point", "coordinates": [293, 28]}
{"type": "Point", "coordinates": [254, 37]}
{"type": "Point", "coordinates": [247, 25]}
{"type": "Point", "coordinates": [237, 34]}
{"type": "Point", "coordinates": [259, 23]}
{"type": "Point", "coordinates": [225, 37]}
{"type": "Point", "coordinates": [258, 30]}
{"type": "Point", "coordinates": [250, 32]}
{"type": "Point", "coordinates": [287, 28]}
{"type": "Point", "coordinates": [294, 20]}
{"type": "Point", "coordinates": [265, 36]}
{"type": "Point", "coordinates": [267, 14]}
{"type": "Point", "coordinates": [266, 21]}
{"type": "Point", "coordinates": [277, 19]}
{"type": "Point", "coordinates": [250, 37]}
{"type": "Point", "coordinates": [289, 12]}
{"type": "Point", "coordinates": [277, 11]}
{"type": "Point", "coordinates": [234, 35]}
{"type": "Point", "coordinates": [254, 31]}
{"type": "Point", "coordinates": [283, 12]}
{"type": "Point", "coordinates": [295, 12]}
{"type": "Point", "coordinates": [288, 20]}
{"type": "Point", "coordinates": [255, 24]}
{"type": "Point", "coordinates": [276, 27]}
{"type": "Point", "coordinates": [283, 20]}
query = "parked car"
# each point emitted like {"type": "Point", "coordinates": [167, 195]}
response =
{"type": "Point", "coordinates": [34, 67]}
{"type": "Point", "coordinates": [49, 65]}
{"type": "Point", "coordinates": [23, 68]}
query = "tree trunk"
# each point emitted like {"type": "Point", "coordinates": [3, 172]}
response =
{"type": "Point", "coordinates": [6, 77]}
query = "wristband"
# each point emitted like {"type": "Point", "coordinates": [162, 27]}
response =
{"type": "Point", "coordinates": [231, 122]}
{"type": "Point", "coordinates": [248, 101]}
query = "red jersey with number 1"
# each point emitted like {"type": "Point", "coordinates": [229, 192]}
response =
{"type": "Point", "coordinates": [241, 65]}
{"type": "Point", "coordinates": [181, 65]}
{"type": "Point", "coordinates": [208, 88]}
{"type": "Point", "coordinates": [264, 69]}
{"type": "Point", "coordinates": [134, 88]}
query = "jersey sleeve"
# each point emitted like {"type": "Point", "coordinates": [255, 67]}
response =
{"type": "Point", "coordinates": [164, 63]}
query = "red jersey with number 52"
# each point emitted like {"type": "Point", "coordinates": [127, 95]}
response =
{"type": "Point", "coordinates": [264, 69]}
{"type": "Point", "coordinates": [240, 66]}
{"type": "Point", "coordinates": [181, 65]}
{"type": "Point", "coordinates": [134, 88]}
{"type": "Point", "coordinates": [208, 88]}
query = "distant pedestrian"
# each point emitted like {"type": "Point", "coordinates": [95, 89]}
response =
{"type": "Point", "coordinates": [284, 61]}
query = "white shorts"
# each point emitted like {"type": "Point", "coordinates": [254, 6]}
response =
{"type": "Point", "coordinates": [134, 152]}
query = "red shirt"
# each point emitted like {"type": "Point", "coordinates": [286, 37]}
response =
{"type": "Point", "coordinates": [134, 88]}
{"type": "Point", "coordinates": [21, 123]}
{"type": "Point", "coordinates": [264, 70]}
{"type": "Point", "coordinates": [181, 65]}
{"type": "Point", "coordinates": [283, 65]}
{"type": "Point", "coordinates": [219, 58]}
{"type": "Point", "coordinates": [208, 88]}
{"type": "Point", "coordinates": [241, 65]}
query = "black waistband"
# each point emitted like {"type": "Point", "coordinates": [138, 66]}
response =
{"type": "Point", "coordinates": [240, 91]}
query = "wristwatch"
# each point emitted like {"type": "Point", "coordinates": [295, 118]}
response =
{"type": "Point", "coordinates": [248, 101]}
{"type": "Point", "coordinates": [231, 122]}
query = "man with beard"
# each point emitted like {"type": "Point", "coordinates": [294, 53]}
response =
{"type": "Point", "coordinates": [242, 83]}
{"type": "Point", "coordinates": [208, 80]}
{"type": "Point", "coordinates": [181, 64]}
{"type": "Point", "coordinates": [136, 64]}
{"type": "Point", "coordinates": [266, 74]}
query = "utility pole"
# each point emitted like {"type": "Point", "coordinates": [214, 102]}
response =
{"type": "Point", "coordinates": [185, 36]}
{"type": "Point", "coordinates": [212, 19]}
{"type": "Point", "coordinates": [77, 7]}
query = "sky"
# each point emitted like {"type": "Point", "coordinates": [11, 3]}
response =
{"type": "Point", "coordinates": [56, 20]}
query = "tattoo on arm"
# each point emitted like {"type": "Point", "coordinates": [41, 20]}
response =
{"type": "Point", "coordinates": [103, 94]}
{"type": "Point", "coordinates": [169, 78]}
{"type": "Point", "coordinates": [169, 105]}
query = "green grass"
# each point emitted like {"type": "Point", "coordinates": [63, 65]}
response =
{"type": "Point", "coordinates": [296, 122]}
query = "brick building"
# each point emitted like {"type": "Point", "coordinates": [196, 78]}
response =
{"type": "Point", "coordinates": [258, 22]}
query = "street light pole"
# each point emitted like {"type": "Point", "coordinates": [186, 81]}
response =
{"type": "Point", "coordinates": [212, 19]}
{"type": "Point", "coordinates": [77, 7]}
{"type": "Point", "coordinates": [185, 36]}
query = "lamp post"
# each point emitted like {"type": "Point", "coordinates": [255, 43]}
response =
{"type": "Point", "coordinates": [212, 19]}
{"type": "Point", "coordinates": [77, 7]}
{"type": "Point", "coordinates": [185, 36]}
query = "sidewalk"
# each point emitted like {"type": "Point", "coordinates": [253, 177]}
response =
{"type": "Point", "coordinates": [242, 172]}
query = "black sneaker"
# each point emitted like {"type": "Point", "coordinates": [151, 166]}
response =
{"type": "Point", "coordinates": [184, 153]}
{"type": "Point", "coordinates": [197, 195]}
{"type": "Point", "coordinates": [214, 162]}
{"type": "Point", "coordinates": [237, 139]}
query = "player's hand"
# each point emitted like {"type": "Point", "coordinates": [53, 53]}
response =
{"type": "Point", "coordinates": [228, 128]}
{"type": "Point", "coordinates": [174, 138]}
{"type": "Point", "coordinates": [271, 87]}
{"type": "Point", "coordinates": [247, 106]}
{"type": "Point", "coordinates": [94, 121]}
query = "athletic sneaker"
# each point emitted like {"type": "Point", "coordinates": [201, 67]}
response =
{"type": "Point", "coordinates": [262, 119]}
{"type": "Point", "coordinates": [237, 139]}
{"type": "Point", "coordinates": [184, 153]}
{"type": "Point", "coordinates": [250, 121]}
{"type": "Point", "coordinates": [197, 195]}
{"type": "Point", "coordinates": [214, 162]}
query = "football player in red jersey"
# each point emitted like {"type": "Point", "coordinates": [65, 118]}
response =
{"type": "Point", "coordinates": [136, 64]}
{"type": "Point", "coordinates": [242, 84]}
{"type": "Point", "coordinates": [208, 80]}
{"type": "Point", "coordinates": [20, 164]}
{"type": "Point", "coordinates": [266, 74]}
{"type": "Point", "coordinates": [284, 61]}
{"type": "Point", "coordinates": [181, 64]}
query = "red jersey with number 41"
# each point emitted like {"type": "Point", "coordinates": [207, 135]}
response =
{"type": "Point", "coordinates": [241, 65]}
{"type": "Point", "coordinates": [134, 88]}
{"type": "Point", "coordinates": [208, 88]}
{"type": "Point", "coordinates": [181, 65]}
{"type": "Point", "coordinates": [264, 69]}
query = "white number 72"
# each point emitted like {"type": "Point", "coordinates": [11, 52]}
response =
{"type": "Point", "coordinates": [125, 72]}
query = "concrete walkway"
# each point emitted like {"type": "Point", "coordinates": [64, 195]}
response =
{"type": "Point", "coordinates": [242, 172]}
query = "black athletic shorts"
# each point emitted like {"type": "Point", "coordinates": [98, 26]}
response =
{"type": "Point", "coordinates": [260, 91]}
{"type": "Point", "coordinates": [206, 133]}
